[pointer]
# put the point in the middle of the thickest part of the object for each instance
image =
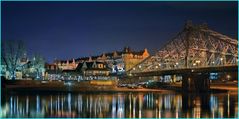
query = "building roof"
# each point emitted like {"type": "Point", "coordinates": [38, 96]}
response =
{"type": "Point", "coordinates": [63, 61]}
{"type": "Point", "coordinates": [126, 50]}
{"type": "Point", "coordinates": [89, 66]}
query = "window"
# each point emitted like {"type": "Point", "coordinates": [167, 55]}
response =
{"type": "Point", "coordinates": [101, 66]}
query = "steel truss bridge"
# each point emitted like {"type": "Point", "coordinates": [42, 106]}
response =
{"type": "Point", "coordinates": [195, 48]}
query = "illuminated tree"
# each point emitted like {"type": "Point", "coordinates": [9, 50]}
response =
{"type": "Point", "coordinates": [38, 64]}
{"type": "Point", "coordinates": [12, 53]}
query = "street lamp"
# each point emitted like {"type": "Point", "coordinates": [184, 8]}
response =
{"type": "Point", "coordinates": [228, 77]}
{"type": "Point", "coordinates": [198, 61]}
{"type": "Point", "coordinates": [221, 60]}
{"type": "Point", "coordinates": [176, 64]}
{"type": "Point", "coordinates": [194, 64]}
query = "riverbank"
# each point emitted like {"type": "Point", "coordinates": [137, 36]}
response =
{"type": "Point", "coordinates": [214, 87]}
{"type": "Point", "coordinates": [71, 86]}
{"type": "Point", "coordinates": [99, 86]}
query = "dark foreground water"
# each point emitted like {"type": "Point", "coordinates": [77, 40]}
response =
{"type": "Point", "coordinates": [119, 105]}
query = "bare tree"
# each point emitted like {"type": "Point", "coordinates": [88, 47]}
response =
{"type": "Point", "coordinates": [38, 64]}
{"type": "Point", "coordinates": [12, 52]}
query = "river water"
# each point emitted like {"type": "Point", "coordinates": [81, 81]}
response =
{"type": "Point", "coordinates": [119, 105]}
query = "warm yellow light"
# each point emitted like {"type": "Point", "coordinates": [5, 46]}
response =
{"type": "Point", "coordinates": [228, 77]}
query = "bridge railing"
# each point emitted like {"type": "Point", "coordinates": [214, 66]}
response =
{"type": "Point", "coordinates": [182, 68]}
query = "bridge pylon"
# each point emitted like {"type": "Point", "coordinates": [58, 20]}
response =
{"type": "Point", "coordinates": [195, 47]}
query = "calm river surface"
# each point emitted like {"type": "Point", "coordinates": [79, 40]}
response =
{"type": "Point", "coordinates": [121, 105]}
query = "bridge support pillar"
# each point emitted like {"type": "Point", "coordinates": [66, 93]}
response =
{"type": "Point", "coordinates": [187, 83]}
{"type": "Point", "coordinates": [196, 82]}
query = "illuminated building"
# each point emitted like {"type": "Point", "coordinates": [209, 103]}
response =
{"type": "Point", "coordinates": [66, 65]}
{"type": "Point", "coordinates": [52, 71]}
{"type": "Point", "coordinates": [93, 70]}
{"type": "Point", "coordinates": [118, 61]}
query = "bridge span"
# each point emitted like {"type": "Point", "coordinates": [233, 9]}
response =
{"type": "Point", "coordinates": [232, 68]}
{"type": "Point", "coordinates": [193, 53]}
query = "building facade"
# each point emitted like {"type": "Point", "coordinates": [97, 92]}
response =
{"type": "Point", "coordinates": [118, 61]}
{"type": "Point", "coordinates": [66, 65]}
{"type": "Point", "coordinates": [93, 70]}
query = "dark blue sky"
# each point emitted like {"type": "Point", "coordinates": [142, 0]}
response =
{"type": "Point", "coordinates": [65, 30]}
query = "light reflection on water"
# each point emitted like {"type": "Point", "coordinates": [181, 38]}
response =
{"type": "Point", "coordinates": [120, 105]}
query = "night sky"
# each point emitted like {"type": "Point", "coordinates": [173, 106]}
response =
{"type": "Point", "coordinates": [66, 30]}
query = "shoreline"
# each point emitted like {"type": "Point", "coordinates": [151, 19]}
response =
{"type": "Point", "coordinates": [106, 90]}
{"type": "Point", "coordinates": [77, 89]}
{"type": "Point", "coordinates": [88, 86]}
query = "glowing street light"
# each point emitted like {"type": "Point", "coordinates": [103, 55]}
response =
{"type": "Point", "coordinates": [228, 77]}
{"type": "Point", "coordinates": [198, 61]}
